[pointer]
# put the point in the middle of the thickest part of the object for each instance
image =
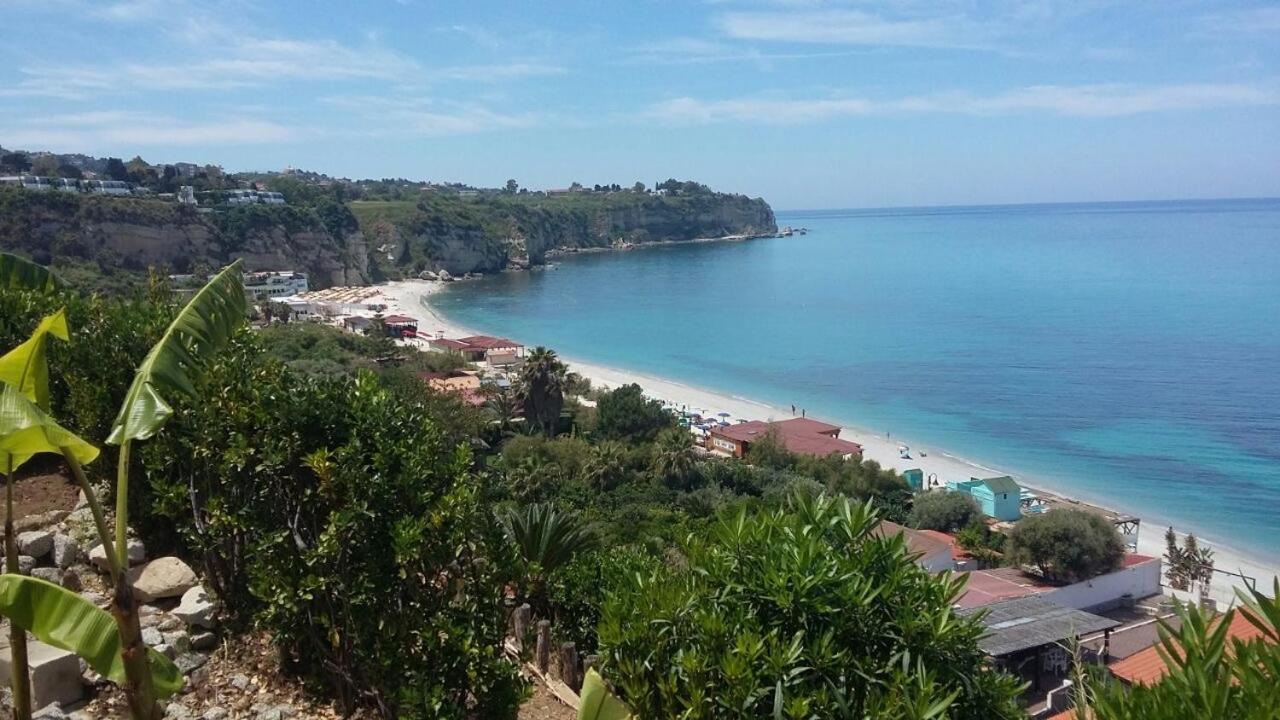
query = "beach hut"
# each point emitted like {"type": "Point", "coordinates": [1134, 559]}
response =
{"type": "Point", "coordinates": [914, 478]}
{"type": "Point", "coordinates": [999, 497]}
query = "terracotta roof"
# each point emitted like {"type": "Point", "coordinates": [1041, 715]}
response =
{"type": "Point", "coordinates": [399, 319]}
{"type": "Point", "coordinates": [488, 342]}
{"type": "Point", "coordinates": [447, 343]}
{"type": "Point", "coordinates": [919, 542]}
{"type": "Point", "coordinates": [989, 586]}
{"type": "Point", "coordinates": [1147, 667]}
{"type": "Point", "coordinates": [799, 435]}
{"type": "Point", "coordinates": [957, 552]}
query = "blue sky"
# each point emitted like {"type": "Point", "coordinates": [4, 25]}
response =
{"type": "Point", "coordinates": [809, 104]}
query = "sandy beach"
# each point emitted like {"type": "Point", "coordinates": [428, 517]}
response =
{"type": "Point", "coordinates": [413, 297]}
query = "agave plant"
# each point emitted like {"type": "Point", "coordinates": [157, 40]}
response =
{"type": "Point", "coordinates": [195, 336]}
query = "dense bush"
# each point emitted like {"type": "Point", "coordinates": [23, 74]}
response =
{"type": "Point", "coordinates": [626, 414]}
{"type": "Point", "coordinates": [1066, 545]}
{"type": "Point", "coordinates": [348, 521]}
{"type": "Point", "coordinates": [578, 590]}
{"type": "Point", "coordinates": [797, 615]}
{"type": "Point", "coordinates": [945, 511]}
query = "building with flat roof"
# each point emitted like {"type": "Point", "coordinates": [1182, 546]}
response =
{"type": "Point", "coordinates": [798, 435]}
{"type": "Point", "coordinates": [477, 348]}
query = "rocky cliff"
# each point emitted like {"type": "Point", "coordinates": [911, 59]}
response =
{"type": "Point", "coordinates": [133, 234]}
{"type": "Point", "coordinates": [503, 231]}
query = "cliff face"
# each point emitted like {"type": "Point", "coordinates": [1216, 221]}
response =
{"type": "Point", "coordinates": [134, 234]}
{"type": "Point", "coordinates": [488, 235]}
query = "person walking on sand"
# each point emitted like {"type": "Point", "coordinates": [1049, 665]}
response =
{"type": "Point", "coordinates": [793, 409]}
{"type": "Point", "coordinates": [801, 412]}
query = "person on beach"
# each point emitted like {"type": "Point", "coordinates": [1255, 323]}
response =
{"type": "Point", "coordinates": [793, 409]}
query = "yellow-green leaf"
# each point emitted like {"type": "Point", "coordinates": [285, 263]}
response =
{"type": "Point", "coordinates": [66, 620]}
{"type": "Point", "coordinates": [203, 328]}
{"type": "Point", "coordinates": [18, 273]}
{"type": "Point", "coordinates": [26, 430]}
{"type": "Point", "coordinates": [26, 366]}
{"type": "Point", "coordinates": [597, 703]}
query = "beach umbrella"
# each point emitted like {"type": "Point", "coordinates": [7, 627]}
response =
{"type": "Point", "coordinates": [723, 414]}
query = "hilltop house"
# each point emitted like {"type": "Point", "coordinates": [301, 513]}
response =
{"type": "Point", "coordinates": [799, 435]}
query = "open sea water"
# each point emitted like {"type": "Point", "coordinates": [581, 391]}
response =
{"type": "Point", "coordinates": [1128, 353]}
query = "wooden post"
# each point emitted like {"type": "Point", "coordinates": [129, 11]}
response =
{"type": "Point", "coordinates": [543, 660]}
{"type": "Point", "coordinates": [569, 674]}
{"type": "Point", "coordinates": [521, 618]}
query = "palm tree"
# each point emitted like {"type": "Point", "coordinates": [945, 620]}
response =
{"type": "Point", "coordinates": [605, 466]}
{"type": "Point", "coordinates": [542, 386]}
{"type": "Point", "coordinates": [676, 460]}
{"type": "Point", "coordinates": [505, 405]}
{"type": "Point", "coordinates": [546, 540]}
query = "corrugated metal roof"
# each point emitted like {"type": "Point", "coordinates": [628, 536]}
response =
{"type": "Point", "coordinates": [1031, 622]}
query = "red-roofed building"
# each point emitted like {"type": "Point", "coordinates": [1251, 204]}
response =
{"type": "Point", "coordinates": [799, 435]}
{"type": "Point", "coordinates": [477, 348]}
{"type": "Point", "coordinates": [1146, 667]}
{"type": "Point", "coordinates": [1137, 577]}
{"type": "Point", "coordinates": [932, 553]}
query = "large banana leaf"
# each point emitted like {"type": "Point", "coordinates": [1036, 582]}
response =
{"type": "Point", "coordinates": [21, 274]}
{"type": "Point", "coordinates": [26, 367]}
{"type": "Point", "coordinates": [63, 619]}
{"type": "Point", "coordinates": [597, 703]}
{"type": "Point", "coordinates": [26, 430]}
{"type": "Point", "coordinates": [203, 327]}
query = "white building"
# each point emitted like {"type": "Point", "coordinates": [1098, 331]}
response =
{"type": "Point", "coordinates": [275, 284]}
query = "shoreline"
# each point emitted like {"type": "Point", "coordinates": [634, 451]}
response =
{"type": "Point", "coordinates": [414, 296]}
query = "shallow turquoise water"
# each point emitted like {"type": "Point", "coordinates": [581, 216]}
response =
{"type": "Point", "coordinates": [1129, 352]}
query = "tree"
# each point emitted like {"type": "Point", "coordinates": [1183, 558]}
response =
{"type": "Point", "coordinates": [512, 186]}
{"type": "Point", "coordinates": [45, 166]}
{"type": "Point", "coordinates": [800, 614]}
{"type": "Point", "coordinates": [545, 540]}
{"type": "Point", "coordinates": [70, 172]}
{"type": "Point", "coordinates": [625, 413]}
{"type": "Point", "coordinates": [1067, 545]}
{"type": "Point", "coordinates": [944, 511]}
{"type": "Point", "coordinates": [116, 170]}
{"type": "Point", "coordinates": [1187, 567]}
{"type": "Point", "coordinates": [606, 466]}
{"type": "Point", "coordinates": [542, 383]}
{"type": "Point", "coordinates": [15, 162]}
{"type": "Point", "coordinates": [675, 460]}
{"type": "Point", "coordinates": [638, 187]}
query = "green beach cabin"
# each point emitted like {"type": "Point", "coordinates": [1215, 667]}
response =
{"type": "Point", "coordinates": [998, 497]}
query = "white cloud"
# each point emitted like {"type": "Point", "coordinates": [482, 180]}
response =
{"type": "Point", "coordinates": [1078, 101]}
{"type": "Point", "coordinates": [504, 71]}
{"type": "Point", "coordinates": [397, 115]}
{"type": "Point", "coordinates": [120, 128]}
{"type": "Point", "coordinates": [856, 27]}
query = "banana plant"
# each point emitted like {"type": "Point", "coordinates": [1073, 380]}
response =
{"type": "Point", "coordinates": [596, 702]}
{"type": "Point", "coordinates": [188, 346]}
{"type": "Point", "coordinates": [54, 614]}
{"type": "Point", "coordinates": [21, 274]}
{"type": "Point", "coordinates": [203, 327]}
{"type": "Point", "coordinates": [25, 370]}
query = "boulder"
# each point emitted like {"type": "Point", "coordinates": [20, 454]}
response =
{"type": "Point", "coordinates": [152, 637]}
{"type": "Point", "coordinates": [26, 564]}
{"type": "Point", "coordinates": [98, 555]}
{"type": "Point", "coordinates": [161, 578]}
{"type": "Point", "coordinates": [36, 543]}
{"type": "Point", "coordinates": [54, 673]}
{"type": "Point", "coordinates": [66, 551]}
{"type": "Point", "coordinates": [189, 661]}
{"type": "Point", "coordinates": [71, 580]}
{"type": "Point", "coordinates": [196, 608]}
{"type": "Point", "coordinates": [204, 641]}
{"type": "Point", "coordinates": [48, 574]}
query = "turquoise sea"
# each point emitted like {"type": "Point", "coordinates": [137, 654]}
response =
{"type": "Point", "coordinates": [1125, 352]}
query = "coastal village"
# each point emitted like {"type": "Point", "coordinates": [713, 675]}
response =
{"type": "Point", "coordinates": [1112, 618]}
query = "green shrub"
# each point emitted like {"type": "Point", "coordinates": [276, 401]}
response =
{"type": "Point", "coordinates": [349, 522]}
{"type": "Point", "coordinates": [1066, 545]}
{"type": "Point", "coordinates": [797, 615]}
{"type": "Point", "coordinates": [625, 413]}
{"type": "Point", "coordinates": [944, 511]}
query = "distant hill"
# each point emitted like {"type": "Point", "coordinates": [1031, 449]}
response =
{"type": "Point", "coordinates": [350, 232]}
